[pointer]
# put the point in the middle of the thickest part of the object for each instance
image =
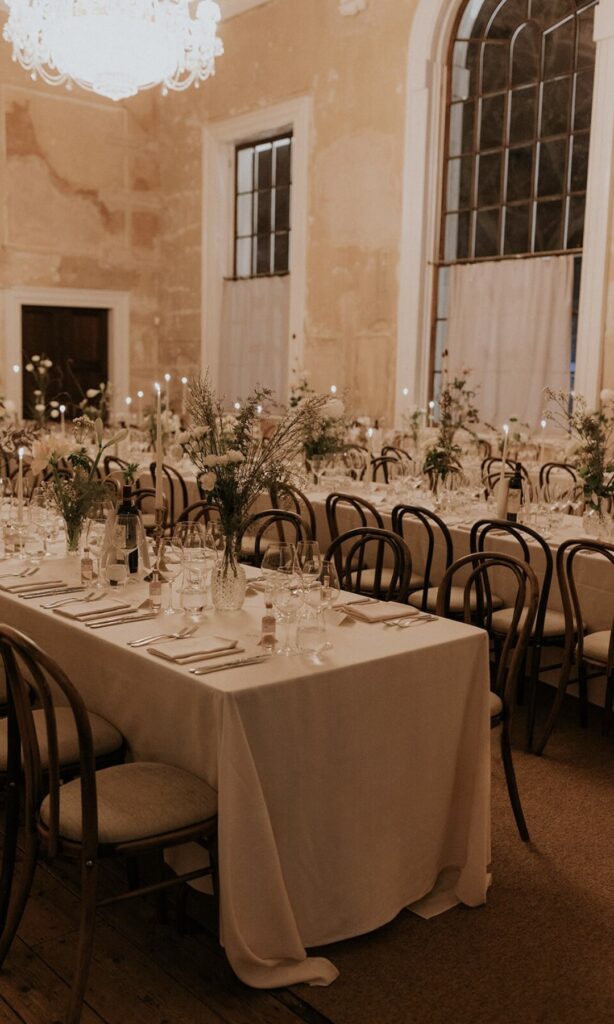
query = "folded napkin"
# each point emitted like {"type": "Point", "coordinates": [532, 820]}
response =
{"type": "Point", "coordinates": [379, 611]}
{"type": "Point", "coordinates": [93, 609]}
{"type": "Point", "coordinates": [20, 585]}
{"type": "Point", "coordinates": [182, 652]}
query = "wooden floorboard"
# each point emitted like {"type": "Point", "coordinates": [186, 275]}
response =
{"type": "Point", "coordinates": [143, 972]}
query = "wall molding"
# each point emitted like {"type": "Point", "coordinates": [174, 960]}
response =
{"type": "Point", "coordinates": [118, 304]}
{"type": "Point", "coordinates": [421, 206]}
{"type": "Point", "coordinates": [219, 141]}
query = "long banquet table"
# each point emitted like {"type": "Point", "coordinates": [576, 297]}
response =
{"type": "Point", "coordinates": [345, 790]}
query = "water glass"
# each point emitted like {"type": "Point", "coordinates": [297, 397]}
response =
{"type": "Point", "coordinates": [311, 635]}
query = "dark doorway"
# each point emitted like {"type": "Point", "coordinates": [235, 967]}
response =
{"type": "Point", "coordinates": [76, 341]}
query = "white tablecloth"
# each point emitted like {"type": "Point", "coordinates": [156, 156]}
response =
{"type": "Point", "coordinates": [344, 790]}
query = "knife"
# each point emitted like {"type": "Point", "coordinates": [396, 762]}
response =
{"type": "Point", "coordinates": [230, 664]}
{"type": "Point", "coordinates": [119, 622]}
{"type": "Point", "coordinates": [190, 659]}
{"type": "Point", "coordinates": [50, 592]}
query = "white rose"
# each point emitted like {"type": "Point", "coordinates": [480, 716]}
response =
{"type": "Point", "coordinates": [334, 409]}
{"type": "Point", "coordinates": [91, 393]}
{"type": "Point", "coordinates": [36, 359]}
{"type": "Point", "coordinates": [607, 395]}
{"type": "Point", "coordinates": [234, 456]}
{"type": "Point", "coordinates": [207, 481]}
{"type": "Point", "coordinates": [29, 367]}
{"type": "Point", "coordinates": [210, 460]}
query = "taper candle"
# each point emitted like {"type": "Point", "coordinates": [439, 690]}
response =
{"type": "Point", "coordinates": [159, 499]}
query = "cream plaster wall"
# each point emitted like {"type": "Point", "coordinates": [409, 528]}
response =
{"type": "Point", "coordinates": [80, 193]}
{"type": "Point", "coordinates": [608, 353]}
{"type": "Point", "coordinates": [354, 68]}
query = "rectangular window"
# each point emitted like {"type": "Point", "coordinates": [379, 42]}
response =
{"type": "Point", "coordinates": [263, 176]}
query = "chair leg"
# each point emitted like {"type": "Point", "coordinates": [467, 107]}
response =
{"type": "Point", "coordinates": [583, 695]}
{"type": "Point", "coordinates": [555, 709]}
{"type": "Point", "coordinates": [20, 894]}
{"type": "Point", "coordinates": [9, 849]}
{"type": "Point", "coordinates": [609, 702]}
{"type": "Point", "coordinates": [89, 886]}
{"type": "Point", "coordinates": [512, 787]}
{"type": "Point", "coordinates": [532, 701]}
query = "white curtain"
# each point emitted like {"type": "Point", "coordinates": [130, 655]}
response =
{"type": "Point", "coordinates": [510, 323]}
{"type": "Point", "coordinates": [254, 336]}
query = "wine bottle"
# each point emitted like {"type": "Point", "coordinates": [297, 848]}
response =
{"type": "Point", "coordinates": [514, 494]}
{"type": "Point", "coordinates": [126, 508]}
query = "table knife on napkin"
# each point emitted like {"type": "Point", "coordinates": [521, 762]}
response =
{"type": "Point", "coordinates": [239, 663]}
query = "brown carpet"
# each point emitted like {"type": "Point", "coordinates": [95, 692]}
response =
{"type": "Point", "coordinates": [542, 950]}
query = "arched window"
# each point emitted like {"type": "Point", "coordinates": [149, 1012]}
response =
{"type": "Point", "coordinates": [520, 85]}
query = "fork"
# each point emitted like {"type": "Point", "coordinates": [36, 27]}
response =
{"type": "Point", "coordinates": [24, 572]}
{"type": "Point", "coordinates": [86, 598]}
{"type": "Point", "coordinates": [181, 634]}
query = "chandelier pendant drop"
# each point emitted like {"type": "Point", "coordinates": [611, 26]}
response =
{"type": "Point", "coordinates": [115, 47]}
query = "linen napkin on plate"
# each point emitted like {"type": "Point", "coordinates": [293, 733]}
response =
{"type": "Point", "coordinates": [93, 609]}
{"type": "Point", "coordinates": [23, 585]}
{"type": "Point", "coordinates": [182, 652]}
{"type": "Point", "coordinates": [379, 611]}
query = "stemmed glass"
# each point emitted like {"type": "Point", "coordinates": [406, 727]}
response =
{"type": "Point", "coordinates": [95, 534]}
{"type": "Point", "coordinates": [279, 557]}
{"type": "Point", "coordinates": [322, 593]}
{"type": "Point", "coordinates": [309, 560]}
{"type": "Point", "coordinates": [171, 567]}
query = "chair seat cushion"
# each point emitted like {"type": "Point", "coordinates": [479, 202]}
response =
{"type": "Point", "coordinates": [597, 646]}
{"type": "Point", "coordinates": [554, 622]}
{"type": "Point", "coordinates": [367, 579]}
{"type": "Point", "coordinates": [496, 705]}
{"type": "Point", "coordinates": [105, 736]}
{"type": "Point", "coordinates": [136, 801]}
{"type": "Point", "coordinates": [457, 596]}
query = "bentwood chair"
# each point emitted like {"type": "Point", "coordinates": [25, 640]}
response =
{"type": "Point", "coordinates": [560, 470]}
{"type": "Point", "coordinates": [356, 511]}
{"type": "Point", "coordinates": [508, 665]}
{"type": "Point", "coordinates": [200, 511]}
{"type": "Point", "coordinates": [269, 526]}
{"type": "Point", "coordinates": [122, 811]}
{"type": "Point", "coordinates": [289, 498]}
{"type": "Point", "coordinates": [591, 654]}
{"type": "Point", "coordinates": [175, 488]}
{"type": "Point", "coordinates": [395, 452]}
{"type": "Point", "coordinates": [143, 499]}
{"type": "Point", "coordinates": [383, 465]}
{"type": "Point", "coordinates": [112, 463]}
{"type": "Point", "coordinates": [549, 626]}
{"type": "Point", "coordinates": [372, 561]}
{"type": "Point", "coordinates": [433, 536]}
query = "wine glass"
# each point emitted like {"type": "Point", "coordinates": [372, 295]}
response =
{"type": "Point", "coordinates": [279, 557]}
{"type": "Point", "coordinates": [171, 567]}
{"type": "Point", "coordinates": [309, 560]}
{"type": "Point", "coordinates": [95, 534]}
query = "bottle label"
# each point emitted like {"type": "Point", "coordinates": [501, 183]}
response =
{"type": "Point", "coordinates": [513, 500]}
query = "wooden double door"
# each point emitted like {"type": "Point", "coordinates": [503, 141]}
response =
{"type": "Point", "coordinates": [76, 341]}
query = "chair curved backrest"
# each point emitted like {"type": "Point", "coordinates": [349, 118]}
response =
{"type": "Point", "coordinates": [381, 465]}
{"type": "Point", "coordinates": [356, 458]}
{"type": "Point", "coordinates": [112, 463]}
{"type": "Point", "coordinates": [284, 523]}
{"type": "Point", "coordinates": [560, 469]}
{"type": "Point", "coordinates": [480, 565]}
{"type": "Point", "coordinates": [28, 669]}
{"type": "Point", "coordinates": [525, 537]}
{"type": "Point", "coordinates": [395, 452]}
{"type": "Point", "coordinates": [288, 497]}
{"type": "Point", "coordinates": [361, 511]}
{"type": "Point", "coordinates": [437, 534]}
{"type": "Point", "coordinates": [372, 550]}
{"type": "Point", "coordinates": [176, 489]}
{"type": "Point", "coordinates": [143, 499]}
{"type": "Point", "coordinates": [198, 511]}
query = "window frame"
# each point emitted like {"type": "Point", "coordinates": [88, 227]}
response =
{"type": "Point", "coordinates": [253, 144]}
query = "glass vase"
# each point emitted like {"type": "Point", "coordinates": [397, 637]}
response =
{"type": "Point", "coordinates": [74, 529]}
{"type": "Point", "coordinates": [228, 582]}
{"type": "Point", "coordinates": [597, 519]}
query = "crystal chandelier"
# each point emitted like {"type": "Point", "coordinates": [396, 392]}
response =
{"type": "Point", "coordinates": [115, 47]}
